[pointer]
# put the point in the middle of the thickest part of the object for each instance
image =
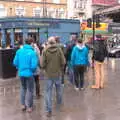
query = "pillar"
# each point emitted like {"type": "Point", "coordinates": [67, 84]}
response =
{"type": "Point", "coordinates": [3, 38]}
{"type": "Point", "coordinates": [39, 33]}
{"type": "Point", "coordinates": [12, 42]}
{"type": "Point", "coordinates": [25, 34]}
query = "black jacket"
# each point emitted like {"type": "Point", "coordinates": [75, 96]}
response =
{"type": "Point", "coordinates": [99, 50]}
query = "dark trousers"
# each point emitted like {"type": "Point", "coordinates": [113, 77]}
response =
{"type": "Point", "coordinates": [79, 75]}
{"type": "Point", "coordinates": [63, 73]}
{"type": "Point", "coordinates": [37, 84]}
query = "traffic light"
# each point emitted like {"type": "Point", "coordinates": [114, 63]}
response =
{"type": "Point", "coordinates": [97, 21]}
{"type": "Point", "coordinates": [89, 22]}
{"type": "Point", "coordinates": [46, 34]}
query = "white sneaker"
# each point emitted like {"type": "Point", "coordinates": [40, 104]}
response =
{"type": "Point", "coordinates": [82, 88]}
{"type": "Point", "coordinates": [77, 89]}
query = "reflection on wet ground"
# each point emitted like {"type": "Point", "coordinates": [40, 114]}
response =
{"type": "Point", "coordinates": [89, 104]}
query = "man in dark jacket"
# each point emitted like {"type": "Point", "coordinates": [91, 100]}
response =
{"type": "Point", "coordinates": [52, 62]}
{"type": "Point", "coordinates": [99, 54]}
{"type": "Point", "coordinates": [69, 49]}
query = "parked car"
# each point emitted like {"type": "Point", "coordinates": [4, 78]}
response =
{"type": "Point", "coordinates": [114, 52]}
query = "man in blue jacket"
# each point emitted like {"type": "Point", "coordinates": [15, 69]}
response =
{"type": "Point", "coordinates": [79, 61]}
{"type": "Point", "coordinates": [26, 62]}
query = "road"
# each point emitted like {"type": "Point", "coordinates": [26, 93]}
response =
{"type": "Point", "coordinates": [89, 104]}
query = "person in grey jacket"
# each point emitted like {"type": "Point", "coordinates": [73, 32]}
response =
{"type": "Point", "coordinates": [37, 72]}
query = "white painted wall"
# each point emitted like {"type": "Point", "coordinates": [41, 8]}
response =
{"type": "Point", "coordinates": [71, 11]}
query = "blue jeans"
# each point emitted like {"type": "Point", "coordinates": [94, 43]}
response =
{"type": "Point", "coordinates": [48, 92]}
{"type": "Point", "coordinates": [27, 88]}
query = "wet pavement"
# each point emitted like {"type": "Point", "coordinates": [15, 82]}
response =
{"type": "Point", "coordinates": [89, 104]}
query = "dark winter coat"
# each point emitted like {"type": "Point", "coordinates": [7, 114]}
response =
{"type": "Point", "coordinates": [99, 50]}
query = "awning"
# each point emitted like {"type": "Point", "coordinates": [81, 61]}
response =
{"type": "Point", "coordinates": [109, 10]}
{"type": "Point", "coordinates": [96, 32]}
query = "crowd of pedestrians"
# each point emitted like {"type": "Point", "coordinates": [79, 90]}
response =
{"type": "Point", "coordinates": [55, 60]}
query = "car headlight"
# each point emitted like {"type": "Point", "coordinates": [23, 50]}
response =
{"type": "Point", "coordinates": [113, 51]}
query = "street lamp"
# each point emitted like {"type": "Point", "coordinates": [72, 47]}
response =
{"type": "Point", "coordinates": [44, 8]}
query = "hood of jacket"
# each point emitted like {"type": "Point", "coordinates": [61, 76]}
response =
{"type": "Point", "coordinates": [80, 47]}
{"type": "Point", "coordinates": [52, 48]}
{"type": "Point", "coordinates": [26, 46]}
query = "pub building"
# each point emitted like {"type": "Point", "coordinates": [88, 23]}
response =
{"type": "Point", "coordinates": [16, 29]}
{"type": "Point", "coordinates": [13, 30]}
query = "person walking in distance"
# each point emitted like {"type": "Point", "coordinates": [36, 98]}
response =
{"type": "Point", "coordinates": [26, 62]}
{"type": "Point", "coordinates": [61, 46]}
{"type": "Point", "coordinates": [99, 54]}
{"type": "Point", "coordinates": [79, 61]}
{"type": "Point", "coordinates": [52, 62]}
{"type": "Point", "coordinates": [69, 48]}
{"type": "Point", "coordinates": [37, 72]}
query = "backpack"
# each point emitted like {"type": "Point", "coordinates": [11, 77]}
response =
{"type": "Point", "coordinates": [100, 50]}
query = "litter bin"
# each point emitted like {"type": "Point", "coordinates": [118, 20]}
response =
{"type": "Point", "coordinates": [7, 70]}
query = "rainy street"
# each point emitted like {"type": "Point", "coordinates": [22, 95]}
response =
{"type": "Point", "coordinates": [90, 104]}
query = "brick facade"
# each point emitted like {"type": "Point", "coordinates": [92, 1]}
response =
{"type": "Point", "coordinates": [29, 6]}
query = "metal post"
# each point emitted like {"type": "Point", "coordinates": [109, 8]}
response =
{"type": "Point", "coordinates": [44, 8]}
{"type": "Point", "coordinates": [3, 39]}
{"type": "Point", "coordinates": [93, 28]}
{"type": "Point", "coordinates": [12, 38]}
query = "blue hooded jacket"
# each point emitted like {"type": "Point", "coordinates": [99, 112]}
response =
{"type": "Point", "coordinates": [80, 55]}
{"type": "Point", "coordinates": [26, 61]}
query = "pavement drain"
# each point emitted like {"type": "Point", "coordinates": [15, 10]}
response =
{"type": "Point", "coordinates": [8, 90]}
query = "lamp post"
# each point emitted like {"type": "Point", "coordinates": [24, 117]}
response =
{"type": "Point", "coordinates": [44, 8]}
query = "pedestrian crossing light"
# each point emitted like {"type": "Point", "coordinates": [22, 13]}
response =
{"type": "Point", "coordinates": [97, 21]}
{"type": "Point", "coordinates": [89, 23]}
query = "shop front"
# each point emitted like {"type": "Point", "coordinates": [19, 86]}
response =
{"type": "Point", "coordinates": [14, 31]}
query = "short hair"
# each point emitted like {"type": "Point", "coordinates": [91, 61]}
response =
{"type": "Point", "coordinates": [29, 41]}
{"type": "Point", "coordinates": [80, 40]}
{"type": "Point", "coordinates": [57, 39]}
{"type": "Point", "coordinates": [51, 40]}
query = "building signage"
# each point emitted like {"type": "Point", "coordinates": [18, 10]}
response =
{"type": "Point", "coordinates": [114, 27]}
{"type": "Point", "coordinates": [29, 24]}
{"type": "Point", "coordinates": [104, 2]}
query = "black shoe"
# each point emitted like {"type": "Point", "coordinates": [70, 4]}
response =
{"type": "Point", "coordinates": [49, 114]}
{"type": "Point", "coordinates": [38, 96]}
{"type": "Point", "coordinates": [23, 108]}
